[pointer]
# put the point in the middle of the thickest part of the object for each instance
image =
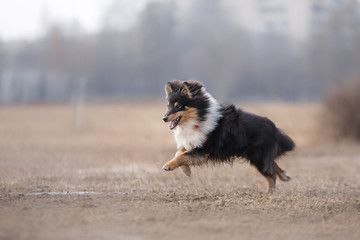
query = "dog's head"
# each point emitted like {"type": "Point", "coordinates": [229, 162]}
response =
{"type": "Point", "coordinates": [184, 102]}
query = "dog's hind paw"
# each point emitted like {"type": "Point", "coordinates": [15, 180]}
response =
{"type": "Point", "coordinates": [285, 178]}
{"type": "Point", "coordinates": [186, 169]}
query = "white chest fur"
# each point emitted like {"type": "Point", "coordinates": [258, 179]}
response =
{"type": "Point", "coordinates": [189, 137]}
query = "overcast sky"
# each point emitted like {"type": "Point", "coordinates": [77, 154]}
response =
{"type": "Point", "coordinates": [25, 18]}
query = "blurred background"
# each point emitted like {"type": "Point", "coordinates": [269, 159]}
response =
{"type": "Point", "coordinates": [82, 141]}
{"type": "Point", "coordinates": [248, 50]}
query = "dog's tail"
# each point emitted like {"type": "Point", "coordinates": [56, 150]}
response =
{"type": "Point", "coordinates": [284, 143]}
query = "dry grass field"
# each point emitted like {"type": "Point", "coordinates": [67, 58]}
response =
{"type": "Point", "coordinates": [104, 180]}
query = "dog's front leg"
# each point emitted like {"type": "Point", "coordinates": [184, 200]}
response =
{"type": "Point", "coordinates": [180, 160]}
{"type": "Point", "coordinates": [186, 168]}
{"type": "Point", "coordinates": [180, 151]}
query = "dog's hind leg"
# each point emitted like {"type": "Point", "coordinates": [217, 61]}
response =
{"type": "Point", "coordinates": [272, 182]}
{"type": "Point", "coordinates": [264, 163]}
{"type": "Point", "coordinates": [270, 176]}
{"type": "Point", "coordinates": [281, 173]}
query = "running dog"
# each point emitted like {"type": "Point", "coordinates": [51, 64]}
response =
{"type": "Point", "coordinates": [209, 132]}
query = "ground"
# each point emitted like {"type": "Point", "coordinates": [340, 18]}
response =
{"type": "Point", "coordinates": [96, 174]}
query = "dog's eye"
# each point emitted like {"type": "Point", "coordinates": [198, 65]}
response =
{"type": "Point", "coordinates": [178, 106]}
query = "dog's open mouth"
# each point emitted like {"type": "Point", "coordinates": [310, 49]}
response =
{"type": "Point", "coordinates": [174, 123]}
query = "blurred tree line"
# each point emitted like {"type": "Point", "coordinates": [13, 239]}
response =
{"type": "Point", "coordinates": [207, 45]}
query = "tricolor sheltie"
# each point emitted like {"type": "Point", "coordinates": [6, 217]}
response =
{"type": "Point", "coordinates": [209, 132]}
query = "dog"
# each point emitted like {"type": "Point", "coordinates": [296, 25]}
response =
{"type": "Point", "coordinates": [209, 132]}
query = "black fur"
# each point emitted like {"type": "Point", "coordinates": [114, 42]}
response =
{"type": "Point", "coordinates": [238, 134]}
{"type": "Point", "coordinates": [241, 134]}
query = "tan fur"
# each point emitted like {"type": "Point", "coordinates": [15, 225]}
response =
{"type": "Point", "coordinates": [178, 161]}
{"type": "Point", "coordinates": [173, 116]}
{"type": "Point", "coordinates": [271, 182]}
{"type": "Point", "coordinates": [180, 150]}
{"type": "Point", "coordinates": [280, 173]}
{"type": "Point", "coordinates": [186, 169]}
{"type": "Point", "coordinates": [183, 161]}
{"type": "Point", "coordinates": [185, 90]}
{"type": "Point", "coordinates": [187, 115]}
{"type": "Point", "coordinates": [168, 89]}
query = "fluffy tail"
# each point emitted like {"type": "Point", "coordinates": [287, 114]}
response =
{"type": "Point", "coordinates": [284, 143]}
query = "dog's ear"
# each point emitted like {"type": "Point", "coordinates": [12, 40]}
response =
{"type": "Point", "coordinates": [194, 87]}
{"type": "Point", "coordinates": [168, 88]}
{"type": "Point", "coordinates": [185, 89]}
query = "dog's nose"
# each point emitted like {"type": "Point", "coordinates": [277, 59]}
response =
{"type": "Point", "coordinates": [165, 118]}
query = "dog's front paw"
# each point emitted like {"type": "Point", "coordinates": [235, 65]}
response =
{"type": "Point", "coordinates": [167, 168]}
{"type": "Point", "coordinates": [186, 169]}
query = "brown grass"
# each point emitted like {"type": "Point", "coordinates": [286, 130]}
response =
{"type": "Point", "coordinates": [104, 180]}
{"type": "Point", "coordinates": [341, 112]}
